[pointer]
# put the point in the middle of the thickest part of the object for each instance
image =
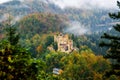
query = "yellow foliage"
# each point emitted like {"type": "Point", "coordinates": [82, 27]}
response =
{"type": "Point", "coordinates": [62, 59]}
{"type": "Point", "coordinates": [39, 48]}
{"type": "Point", "coordinates": [9, 59]}
{"type": "Point", "coordinates": [97, 76]}
{"type": "Point", "coordinates": [10, 77]}
{"type": "Point", "coordinates": [35, 37]}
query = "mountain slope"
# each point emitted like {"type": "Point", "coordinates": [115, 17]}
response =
{"type": "Point", "coordinates": [25, 13]}
{"type": "Point", "coordinates": [22, 8]}
{"type": "Point", "coordinates": [41, 23]}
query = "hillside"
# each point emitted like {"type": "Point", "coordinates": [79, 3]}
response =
{"type": "Point", "coordinates": [59, 40]}
{"type": "Point", "coordinates": [22, 8]}
{"type": "Point", "coordinates": [53, 19]}
{"type": "Point", "coordinates": [92, 19]}
{"type": "Point", "coordinates": [41, 23]}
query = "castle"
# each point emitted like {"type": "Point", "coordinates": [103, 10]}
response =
{"type": "Point", "coordinates": [64, 43]}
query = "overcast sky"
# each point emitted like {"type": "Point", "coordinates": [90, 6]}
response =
{"type": "Point", "coordinates": [82, 3]}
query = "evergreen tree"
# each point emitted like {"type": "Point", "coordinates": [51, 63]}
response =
{"type": "Point", "coordinates": [16, 63]}
{"type": "Point", "coordinates": [112, 41]}
{"type": "Point", "coordinates": [12, 35]}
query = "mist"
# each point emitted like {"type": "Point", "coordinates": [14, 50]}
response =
{"type": "Point", "coordinates": [14, 19]}
{"type": "Point", "coordinates": [76, 28]}
{"type": "Point", "coordinates": [3, 1]}
{"type": "Point", "coordinates": [81, 4]}
{"type": "Point", "coordinates": [86, 4]}
{"type": "Point", "coordinates": [4, 17]}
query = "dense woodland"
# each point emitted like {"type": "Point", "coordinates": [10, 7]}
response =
{"type": "Point", "coordinates": [17, 62]}
{"type": "Point", "coordinates": [56, 19]}
{"type": "Point", "coordinates": [24, 53]}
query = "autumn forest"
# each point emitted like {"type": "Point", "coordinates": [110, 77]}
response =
{"type": "Point", "coordinates": [41, 41]}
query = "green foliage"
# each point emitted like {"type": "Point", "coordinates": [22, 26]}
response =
{"type": "Point", "coordinates": [90, 41]}
{"type": "Point", "coordinates": [55, 46]}
{"type": "Point", "coordinates": [11, 34]}
{"type": "Point", "coordinates": [113, 77]}
{"type": "Point", "coordinates": [83, 67]}
{"type": "Point", "coordinates": [49, 41]}
{"type": "Point", "coordinates": [85, 49]}
{"type": "Point", "coordinates": [113, 43]}
{"type": "Point", "coordinates": [79, 66]}
{"type": "Point", "coordinates": [53, 59]}
{"type": "Point", "coordinates": [48, 21]}
{"type": "Point", "coordinates": [38, 44]}
{"type": "Point", "coordinates": [40, 23]}
{"type": "Point", "coordinates": [16, 63]}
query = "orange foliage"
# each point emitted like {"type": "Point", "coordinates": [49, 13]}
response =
{"type": "Point", "coordinates": [39, 48]}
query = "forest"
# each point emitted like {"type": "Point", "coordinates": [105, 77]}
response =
{"type": "Point", "coordinates": [24, 44]}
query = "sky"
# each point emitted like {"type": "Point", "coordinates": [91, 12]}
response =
{"type": "Point", "coordinates": [82, 3]}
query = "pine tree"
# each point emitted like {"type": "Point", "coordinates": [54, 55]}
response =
{"type": "Point", "coordinates": [12, 36]}
{"type": "Point", "coordinates": [112, 41]}
{"type": "Point", "coordinates": [16, 63]}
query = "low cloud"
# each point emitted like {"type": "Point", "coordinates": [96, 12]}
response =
{"type": "Point", "coordinates": [3, 1]}
{"type": "Point", "coordinates": [88, 4]}
{"type": "Point", "coordinates": [4, 17]}
{"type": "Point", "coordinates": [14, 19]}
{"type": "Point", "coordinates": [77, 28]}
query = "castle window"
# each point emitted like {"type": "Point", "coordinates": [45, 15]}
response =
{"type": "Point", "coordinates": [66, 48]}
